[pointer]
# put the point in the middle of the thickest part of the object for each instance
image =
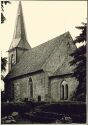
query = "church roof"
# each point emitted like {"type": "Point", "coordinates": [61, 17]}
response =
{"type": "Point", "coordinates": [34, 60]}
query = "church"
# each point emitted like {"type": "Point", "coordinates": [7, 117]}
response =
{"type": "Point", "coordinates": [42, 73]}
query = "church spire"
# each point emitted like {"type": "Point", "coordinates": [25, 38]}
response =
{"type": "Point", "coordinates": [19, 36]}
{"type": "Point", "coordinates": [19, 31]}
{"type": "Point", "coordinates": [19, 42]}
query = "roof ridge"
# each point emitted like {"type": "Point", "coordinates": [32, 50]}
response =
{"type": "Point", "coordinates": [52, 39]}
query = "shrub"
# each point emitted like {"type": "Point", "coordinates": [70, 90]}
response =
{"type": "Point", "coordinates": [8, 108]}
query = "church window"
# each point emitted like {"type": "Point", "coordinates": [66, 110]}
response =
{"type": "Point", "coordinates": [12, 60]}
{"type": "Point", "coordinates": [31, 88]}
{"type": "Point", "coordinates": [30, 80]}
{"type": "Point", "coordinates": [17, 91]}
{"type": "Point", "coordinates": [64, 90]}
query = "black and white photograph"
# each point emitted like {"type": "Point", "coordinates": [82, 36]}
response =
{"type": "Point", "coordinates": [43, 62]}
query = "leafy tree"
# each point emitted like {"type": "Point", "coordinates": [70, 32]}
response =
{"type": "Point", "coordinates": [80, 59]}
{"type": "Point", "coordinates": [3, 63]}
{"type": "Point", "coordinates": [2, 10]}
{"type": "Point", "coordinates": [3, 66]}
{"type": "Point", "coordinates": [3, 69]}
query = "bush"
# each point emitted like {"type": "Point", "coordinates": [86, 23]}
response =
{"type": "Point", "coordinates": [8, 108]}
{"type": "Point", "coordinates": [66, 107]}
{"type": "Point", "coordinates": [77, 110]}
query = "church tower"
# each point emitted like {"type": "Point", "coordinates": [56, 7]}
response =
{"type": "Point", "coordinates": [19, 42]}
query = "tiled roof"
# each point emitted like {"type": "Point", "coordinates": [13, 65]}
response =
{"type": "Point", "coordinates": [33, 60]}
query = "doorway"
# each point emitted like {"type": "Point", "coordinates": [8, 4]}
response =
{"type": "Point", "coordinates": [39, 98]}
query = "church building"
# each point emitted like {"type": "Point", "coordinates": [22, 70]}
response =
{"type": "Point", "coordinates": [42, 73]}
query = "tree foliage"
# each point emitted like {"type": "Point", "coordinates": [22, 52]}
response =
{"type": "Point", "coordinates": [80, 60]}
{"type": "Point", "coordinates": [83, 34]}
{"type": "Point", "coordinates": [2, 10]}
{"type": "Point", "coordinates": [3, 64]}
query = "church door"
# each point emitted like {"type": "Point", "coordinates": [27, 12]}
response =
{"type": "Point", "coordinates": [39, 98]}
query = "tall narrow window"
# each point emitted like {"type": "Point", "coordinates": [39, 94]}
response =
{"type": "Point", "coordinates": [31, 88]}
{"type": "Point", "coordinates": [13, 61]}
{"type": "Point", "coordinates": [62, 92]}
{"type": "Point", "coordinates": [17, 91]}
{"type": "Point", "coordinates": [66, 91]}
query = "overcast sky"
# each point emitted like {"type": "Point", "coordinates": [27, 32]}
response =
{"type": "Point", "coordinates": [44, 20]}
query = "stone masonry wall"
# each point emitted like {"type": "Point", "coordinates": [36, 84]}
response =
{"type": "Point", "coordinates": [56, 86]}
{"type": "Point", "coordinates": [40, 87]}
{"type": "Point", "coordinates": [48, 90]}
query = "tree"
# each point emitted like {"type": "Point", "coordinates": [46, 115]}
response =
{"type": "Point", "coordinates": [80, 60]}
{"type": "Point", "coordinates": [2, 10]}
{"type": "Point", "coordinates": [3, 65]}
{"type": "Point", "coordinates": [3, 69]}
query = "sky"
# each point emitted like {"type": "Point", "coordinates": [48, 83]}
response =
{"type": "Point", "coordinates": [44, 20]}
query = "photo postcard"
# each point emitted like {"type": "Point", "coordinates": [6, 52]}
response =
{"type": "Point", "coordinates": [43, 62]}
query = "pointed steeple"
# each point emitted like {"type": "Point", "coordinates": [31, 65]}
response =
{"type": "Point", "coordinates": [19, 42]}
{"type": "Point", "coordinates": [19, 36]}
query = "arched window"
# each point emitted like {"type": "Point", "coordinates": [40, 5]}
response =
{"type": "Point", "coordinates": [13, 61]}
{"type": "Point", "coordinates": [30, 88]}
{"type": "Point", "coordinates": [17, 91]}
{"type": "Point", "coordinates": [30, 79]}
{"type": "Point", "coordinates": [64, 91]}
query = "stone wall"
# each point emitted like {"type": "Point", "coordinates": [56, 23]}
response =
{"type": "Point", "coordinates": [40, 87]}
{"type": "Point", "coordinates": [56, 88]}
{"type": "Point", "coordinates": [20, 89]}
{"type": "Point", "coordinates": [48, 90]}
